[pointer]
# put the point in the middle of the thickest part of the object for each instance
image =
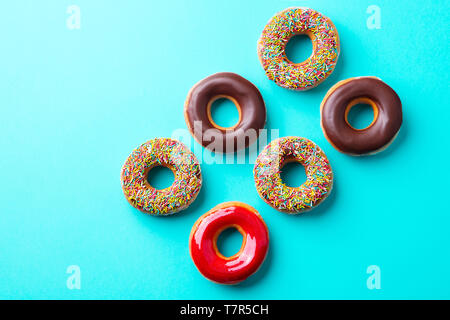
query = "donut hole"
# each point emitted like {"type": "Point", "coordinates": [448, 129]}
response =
{"type": "Point", "coordinates": [299, 48]}
{"type": "Point", "coordinates": [229, 242]}
{"type": "Point", "coordinates": [224, 112]}
{"type": "Point", "coordinates": [361, 115]}
{"type": "Point", "coordinates": [160, 177]}
{"type": "Point", "coordinates": [293, 174]}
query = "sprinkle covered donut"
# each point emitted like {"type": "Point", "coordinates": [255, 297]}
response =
{"type": "Point", "coordinates": [338, 101]}
{"type": "Point", "coordinates": [277, 33]}
{"type": "Point", "coordinates": [203, 243]}
{"type": "Point", "coordinates": [168, 153]}
{"type": "Point", "coordinates": [268, 181]}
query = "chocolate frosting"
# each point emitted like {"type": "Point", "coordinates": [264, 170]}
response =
{"type": "Point", "coordinates": [379, 134]}
{"type": "Point", "coordinates": [246, 95]}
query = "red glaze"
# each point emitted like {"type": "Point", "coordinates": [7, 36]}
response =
{"type": "Point", "coordinates": [202, 243]}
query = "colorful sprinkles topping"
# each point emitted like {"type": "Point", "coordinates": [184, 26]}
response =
{"type": "Point", "coordinates": [268, 181]}
{"type": "Point", "coordinates": [275, 36]}
{"type": "Point", "coordinates": [161, 152]}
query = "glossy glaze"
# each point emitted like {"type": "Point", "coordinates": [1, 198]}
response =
{"type": "Point", "coordinates": [387, 110]}
{"type": "Point", "coordinates": [248, 100]}
{"type": "Point", "coordinates": [210, 262]}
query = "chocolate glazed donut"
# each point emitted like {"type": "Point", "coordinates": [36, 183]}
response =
{"type": "Point", "coordinates": [387, 109]}
{"type": "Point", "coordinates": [246, 97]}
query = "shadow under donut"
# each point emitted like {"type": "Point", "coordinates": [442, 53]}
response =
{"type": "Point", "coordinates": [260, 274]}
{"type": "Point", "coordinates": [390, 149]}
{"type": "Point", "coordinates": [323, 207]}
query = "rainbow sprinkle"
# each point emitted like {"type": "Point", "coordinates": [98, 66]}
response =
{"type": "Point", "coordinates": [161, 152]}
{"type": "Point", "coordinates": [275, 36]}
{"type": "Point", "coordinates": [271, 188]}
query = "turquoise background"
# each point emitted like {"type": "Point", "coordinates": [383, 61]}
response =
{"type": "Point", "coordinates": [75, 103]}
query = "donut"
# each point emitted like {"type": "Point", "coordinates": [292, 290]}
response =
{"type": "Point", "coordinates": [271, 188]}
{"type": "Point", "coordinates": [387, 109]}
{"type": "Point", "coordinates": [246, 97]}
{"type": "Point", "coordinates": [203, 243]}
{"type": "Point", "coordinates": [277, 33]}
{"type": "Point", "coordinates": [168, 153]}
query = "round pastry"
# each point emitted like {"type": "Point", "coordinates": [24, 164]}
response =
{"type": "Point", "coordinates": [203, 243]}
{"type": "Point", "coordinates": [167, 153]}
{"type": "Point", "coordinates": [387, 109]}
{"type": "Point", "coordinates": [246, 97]}
{"type": "Point", "coordinates": [271, 188]}
{"type": "Point", "coordinates": [277, 33]}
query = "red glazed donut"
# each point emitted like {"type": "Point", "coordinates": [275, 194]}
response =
{"type": "Point", "coordinates": [203, 247]}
